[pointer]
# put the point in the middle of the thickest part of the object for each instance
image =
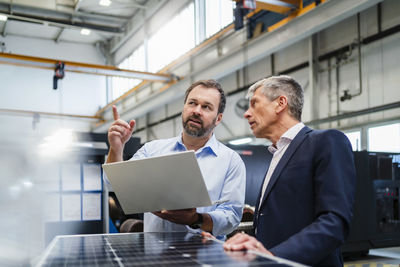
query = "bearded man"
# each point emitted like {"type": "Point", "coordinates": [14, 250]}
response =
{"type": "Point", "coordinates": [222, 168]}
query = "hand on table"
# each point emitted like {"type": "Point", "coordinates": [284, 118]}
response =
{"type": "Point", "coordinates": [242, 241]}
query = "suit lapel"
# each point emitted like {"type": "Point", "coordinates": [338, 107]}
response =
{"type": "Point", "coordinates": [283, 161]}
{"type": "Point", "coordinates": [258, 200]}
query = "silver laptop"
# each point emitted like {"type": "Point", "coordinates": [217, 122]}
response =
{"type": "Point", "coordinates": [167, 182]}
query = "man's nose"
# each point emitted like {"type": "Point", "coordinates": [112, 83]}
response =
{"type": "Point", "coordinates": [197, 109]}
{"type": "Point", "coordinates": [247, 114]}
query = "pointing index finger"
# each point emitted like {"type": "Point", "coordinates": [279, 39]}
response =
{"type": "Point", "coordinates": [115, 112]}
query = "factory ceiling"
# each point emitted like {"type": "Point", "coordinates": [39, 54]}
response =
{"type": "Point", "coordinates": [63, 20]}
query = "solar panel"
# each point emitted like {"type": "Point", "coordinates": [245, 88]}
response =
{"type": "Point", "coordinates": [148, 249]}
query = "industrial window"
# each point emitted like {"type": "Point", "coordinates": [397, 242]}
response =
{"type": "Point", "coordinates": [384, 138]}
{"type": "Point", "coordinates": [136, 61]}
{"type": "Point", "coordinates": [75, 194]}
{"type": "Point", "coordinates": [355, 139]}
{"type": "Point", "coordinates": [172, 40]}
{"type": "Point", "coordinates": [219, 13]}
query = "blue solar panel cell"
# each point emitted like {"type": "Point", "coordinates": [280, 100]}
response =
{"type": "Point", "coordinates": [148, 249]}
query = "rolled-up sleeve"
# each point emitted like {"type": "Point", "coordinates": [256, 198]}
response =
{"type": "Point", "coordinates": [227, 216]}
{"type": "Point", "coordinates": [141, 153]}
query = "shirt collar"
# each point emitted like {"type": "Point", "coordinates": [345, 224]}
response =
{"type": "Point", "coordinates": [286, 137]}
{"type": "Point", "coordinates": [211, 146]}
{"type": "Point", "coordinates": [293, 131]}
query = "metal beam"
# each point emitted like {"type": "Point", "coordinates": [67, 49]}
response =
{"type": "Point", "coordinates": [66, 24]}
{"type": "Point", "coordinates": [92, 15]}
{"type": "Point", "coordinates": [315, 20]}
{"type": "Point", "coordinates": [134, 4]}
{"type": "Point", "coordinates": [104, 23]}
{"type": "Point", "coordinates": [275, 6]}
{"type": "Point", "coordinates": [77, 5]}
{"type": "Point", "coordinates": [296, 3]}
{"type": "Point", "coordinates": [313, 70]}
{"type": "Point", "coordinates": [58, 37]}
{"type": "Point", "coordinates": [277, 3]}
{"type": "Point", "coordinates": [59, 14]}
{"type": "Point", "coordinates": [31, 112]}
{"type": "Point", "coordinates": [45, 63]}
{"type": "Point", "coordinates": [355, 113]}
{"type": "Point", "coordinates": [4, 30]}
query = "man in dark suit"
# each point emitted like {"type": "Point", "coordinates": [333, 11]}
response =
{"type": "Point", "coordinates": [305, 205]}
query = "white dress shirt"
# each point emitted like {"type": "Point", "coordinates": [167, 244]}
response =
{"type": "Point", "coordinates": [278, 151]}
{"type": "Point", "coordinates": [225, 178]}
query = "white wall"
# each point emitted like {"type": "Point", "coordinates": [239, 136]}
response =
{"type": "Point", "coordinates": [27, 88]}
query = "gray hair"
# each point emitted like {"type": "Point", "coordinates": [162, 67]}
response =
{"type": "Point", "coordinates": [275, 86]}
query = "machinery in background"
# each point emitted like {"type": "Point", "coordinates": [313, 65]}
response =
{"type": "Point", "coordinates": [376, 222]}
{"type": "Point", "coordinates": [123, 223]}
{"type": "Point", "coordinates": [256, 160]}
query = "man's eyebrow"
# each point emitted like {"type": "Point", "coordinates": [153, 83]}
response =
{"type": "Point", "coordinates": [209, 103]}
{"type": "Point", "coordinates": [205, 102]}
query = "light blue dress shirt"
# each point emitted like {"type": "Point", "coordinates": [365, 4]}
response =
{"type": "Point", "coordinates": [225, 178]}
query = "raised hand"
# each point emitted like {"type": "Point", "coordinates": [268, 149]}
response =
{"type": "Point", "coordinates": [118, 134]}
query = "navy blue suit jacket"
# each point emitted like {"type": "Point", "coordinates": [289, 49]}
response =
{"type": "Point", "coordinates": [308, 204]}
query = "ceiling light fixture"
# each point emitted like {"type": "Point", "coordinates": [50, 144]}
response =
{"type": "Point", "coordinates": [85, 31]}
{"type": "Point", "coordinates": [3, 17]}
{"type": "Point", "coordinates": [105, 2]}
{"type": "Point", "coordinates": [241, 141]}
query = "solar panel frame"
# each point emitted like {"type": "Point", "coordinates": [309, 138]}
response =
{"type": "Point", "coordinates": [149, 249]}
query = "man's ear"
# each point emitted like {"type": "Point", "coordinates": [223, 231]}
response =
{"type": "Point", "coordinates": [282, 104]}
{"type": "Point", "coordinates": [219, 119]}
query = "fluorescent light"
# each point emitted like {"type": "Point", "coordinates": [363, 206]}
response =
{"type": "Point", "coordinates": [3, 17]}
{"type": "Point", "coordinates": [83, 144]}
{"type": "Point", "coordinates": [85, 31]}
{"type": "Point", "coordinates": [27, 184]}
{"type": "Point", "coordinates": [57, 143]}
{"type": "Point", "coordinates": [241, 141]}
{"type": "Point", "coordinates": [92, 144]}
{"type": "Point", "coordinates": [105, 2]}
